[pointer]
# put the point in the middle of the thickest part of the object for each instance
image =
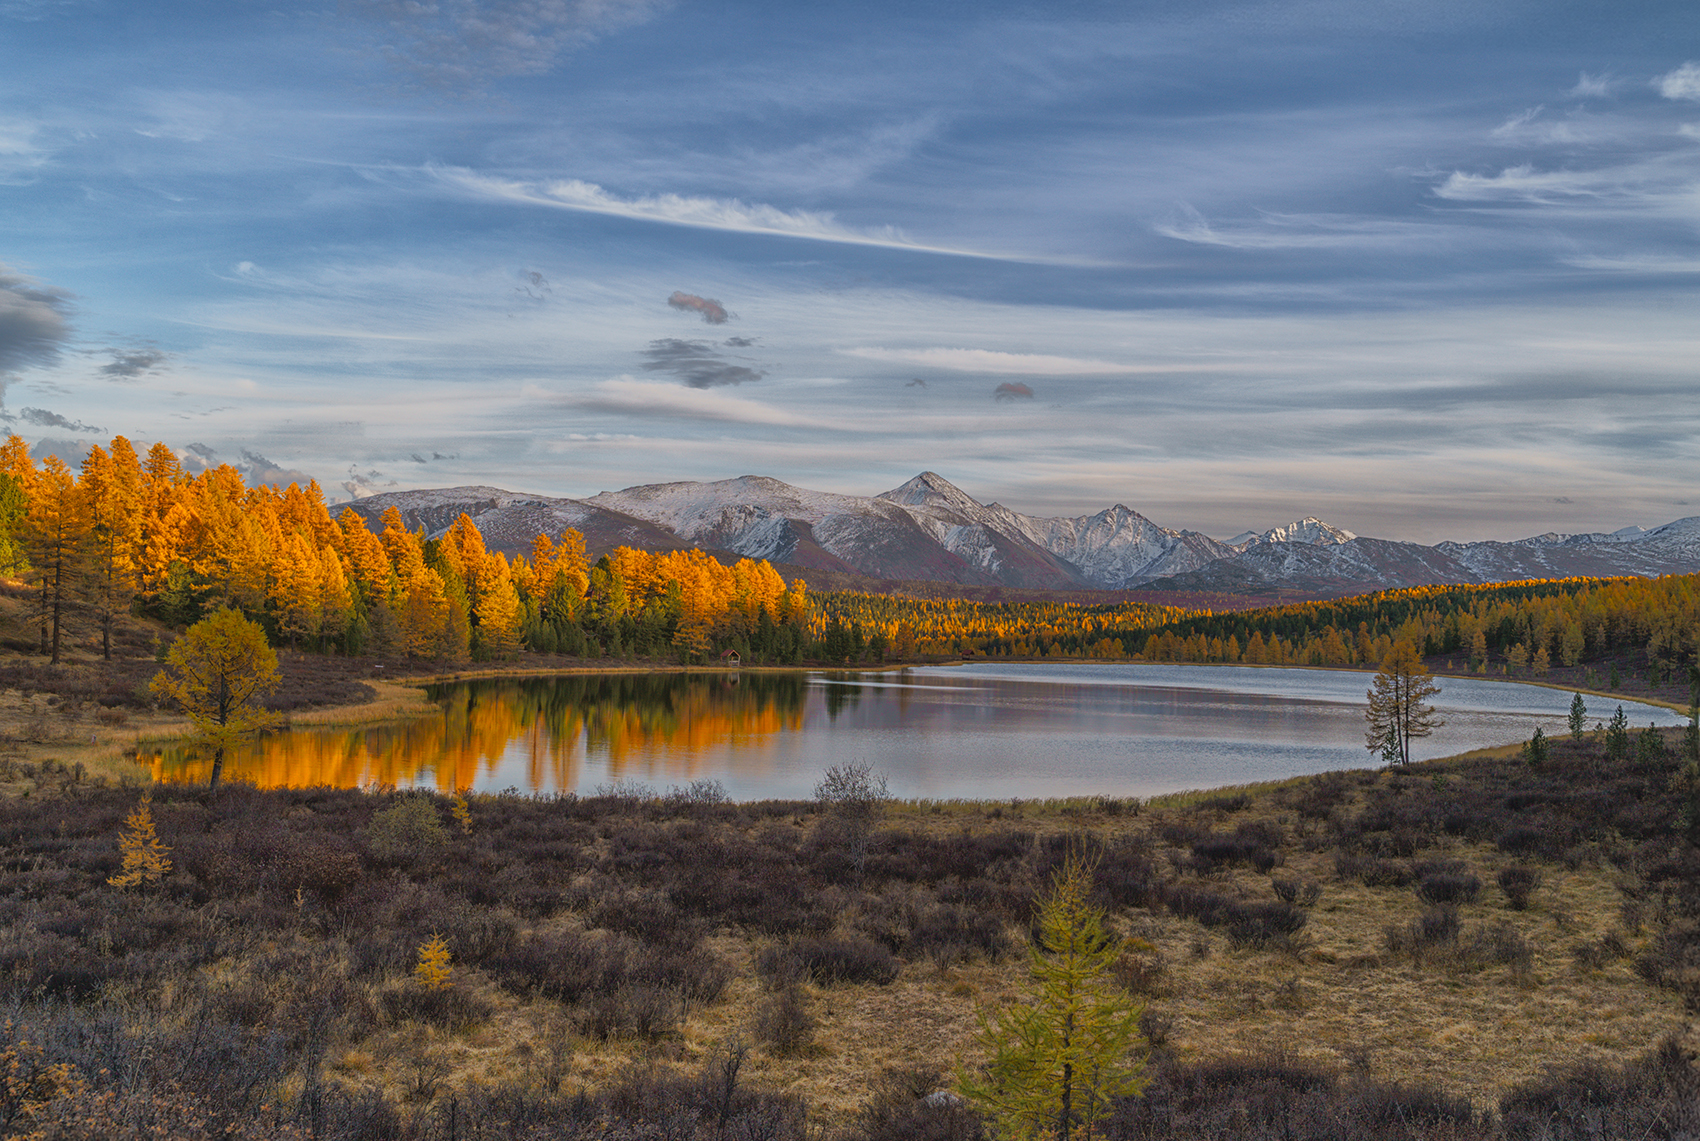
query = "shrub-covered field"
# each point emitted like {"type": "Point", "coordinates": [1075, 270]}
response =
{"type": "Point", "coordinates": [1474, 948]}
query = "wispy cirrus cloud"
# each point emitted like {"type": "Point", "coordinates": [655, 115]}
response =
{"type": "Point", "coordinates": [632, 397]}
{"type": "Point", "coordinates": [460, 44]}
{"type": "Point", "coordinates": [1524, 183]}
{"type": "Point", "coordinates": [991, 360]}
{"type": "Point", "coordinates": [1275, 231]}
{"type": "Point", "coordinates": [1591, 86]}
{"type": "Point", "coordinates": [732, 214]}
{"type": "Point", "coordinates": [1637, 263]}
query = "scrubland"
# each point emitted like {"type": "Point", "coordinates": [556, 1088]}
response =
{"type": "Point", "coordinates": [1473, 948]}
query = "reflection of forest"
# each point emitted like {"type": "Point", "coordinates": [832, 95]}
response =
{"type": "Point", "coordinates": [553, 723]}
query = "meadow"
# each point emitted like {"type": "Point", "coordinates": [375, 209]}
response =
{"type": "Point", "coordinates": [1470, 948]}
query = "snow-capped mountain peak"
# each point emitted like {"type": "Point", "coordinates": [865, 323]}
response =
{"type": "Point", "coordinates": [929, 489]}
{"type": "Point", "coordinates": [1309, 530]}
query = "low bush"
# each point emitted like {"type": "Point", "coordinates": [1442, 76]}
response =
{"type": "Point", "coordinates": [1270, 1097]}
{"type": "Point", "coordinates": [1305, 893]}
{"type": "Point", "coordinates": [783, 1024]}
{"type": "Point", "coordinates": [1373, 871]}
{"type": "Point", "coordinates": [1518, 882]}
{"type": "Point", "coordinates": [949, 934]}
{"type": "Point", "coordinates": [845, 959]}
{"type": "Point", "coordinates": [1446, 881]}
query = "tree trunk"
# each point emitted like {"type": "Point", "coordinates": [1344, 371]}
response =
{"type": "Point", "coordinates": [58, 607]}
{"type": "Point", "coordinates": [1067, 1101]}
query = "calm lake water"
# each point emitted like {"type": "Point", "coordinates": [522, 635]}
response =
{"type": "Point", "coordinates": [980, 731]}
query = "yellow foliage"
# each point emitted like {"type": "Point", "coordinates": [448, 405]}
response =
{"type": "Point", "coordinates": [433, 971]}
{"type": "Point", "coordinates": [145, 855]}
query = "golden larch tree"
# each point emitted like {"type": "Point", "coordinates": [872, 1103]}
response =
{"type": "Point", "coordinates": [145, 857]}
{"type": "Point", "coordinates": [217, 673]}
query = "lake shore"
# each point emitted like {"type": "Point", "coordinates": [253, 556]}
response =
{"type": "Point", "coordinates": [53, 733]}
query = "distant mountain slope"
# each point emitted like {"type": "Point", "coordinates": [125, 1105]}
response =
{"type": "Point", "coordinates": [930, 530]}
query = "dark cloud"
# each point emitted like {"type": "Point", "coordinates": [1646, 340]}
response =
{"type": "Point", "coordinates": [418, 459]}
{"type": "Point", "coordinates": [740, 342]}
{"type": "Point", "coordinates": [460, 44]}
{"type": "Point", "coordinates": [1012, 391]}
{"type": "Point", "coordinates": [916, 383]}
{"type": "Point", "coordinates": [128, 364]}
{"type": "Point", "coordinates": [360, 484]}
{"type": "Point", "coordinates": [535, 286]}
{"type": "Point", "coordinates": [1562, 499]}
{"type": "Point", "coordinates": [712, 311]}
{"type": "Point", "coordinates": [258, 469]}
{"type": "Point", "coordinates": [696, 363]}
{"type": "Point", "coordinates": [34, 323]}
{"type": "Point", "coordinates": [207, 454]}
{"type": "Point", "coordinates": [441, 456]}
{"type": "Point", "coordinates": [42, 418]}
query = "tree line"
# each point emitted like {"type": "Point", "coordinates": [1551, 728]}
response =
{"type": "Point", "coordinates": [1521, 626]}
{"type": "Point", "coordinates": [133, 533]}
{"type": "Point", "coordinates": [854, 626]}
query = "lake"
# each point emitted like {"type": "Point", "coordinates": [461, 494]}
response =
{"type": "Point", "coordinates": [981, 731]}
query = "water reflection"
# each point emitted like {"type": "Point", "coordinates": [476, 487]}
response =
{"type": "Point", "coordinates": [538, 734]}
{"type": "Point", "coordinates": [984, 731]}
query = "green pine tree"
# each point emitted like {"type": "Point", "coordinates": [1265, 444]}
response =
{"type": "Point", "coordinates": [1578, 717]}
{"type": "Point", "coordinates": [1617, 736]}
{"type": "Point", "coordinates": [1535, 749]}
{"type": "Point", "coordinates": [1057, 1059]}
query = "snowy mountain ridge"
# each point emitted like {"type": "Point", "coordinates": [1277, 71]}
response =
{"type": "Point", "coordinates": [930, 529]}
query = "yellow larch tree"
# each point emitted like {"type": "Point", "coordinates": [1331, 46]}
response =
{"type": "Point", "coordinates": [145, 857]}
{"type": "Point", "coordinates": [55, 540]}
{"type": "Point", "coordinates": [498, 608]}
{"type": "Point", "coordinates": [111, 490]}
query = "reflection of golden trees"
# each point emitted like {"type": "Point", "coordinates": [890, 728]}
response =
{"type": "Point", "coordinates": [639, 723]}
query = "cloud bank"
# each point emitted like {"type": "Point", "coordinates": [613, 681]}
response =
{"type": "Point", "coordinates": [697, 364]}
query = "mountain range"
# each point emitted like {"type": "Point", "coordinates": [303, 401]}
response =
{"type": "Point", "coordinates": [930, 530]}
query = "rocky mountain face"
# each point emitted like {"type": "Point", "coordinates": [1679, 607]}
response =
{"type": "Point", "coordinates": [929, 529]}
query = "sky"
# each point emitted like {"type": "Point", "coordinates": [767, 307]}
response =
{"type": "Point", "coordinates": [1428, 270]}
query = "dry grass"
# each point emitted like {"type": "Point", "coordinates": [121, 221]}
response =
{"type": "Point", "coordinates": [1337, 995]}
{"type": "Point", "coordinates": [394, 701]}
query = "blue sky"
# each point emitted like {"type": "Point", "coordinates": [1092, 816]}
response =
{"type": "Point", "coordinates": [1427, 270]}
